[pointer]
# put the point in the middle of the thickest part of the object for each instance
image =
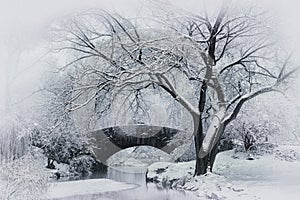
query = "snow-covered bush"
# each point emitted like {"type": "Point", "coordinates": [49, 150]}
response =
{"type": "Point", "coordinates": [60, 144]}
{"type": "Point", "coordinates": [81, 166]}
{"type": "Point", "coordinates": [287, 153]}
{"type": "Point", "coordinates": [62, 137]}
{"type": "Point", "coordinates": [253, 129]}
{"type": "Point", "coordinates": [251, 134]}
{"type": "Point", "coordinates": [24, 178]}
{"type": "Point", "coordinates": [14, 138]}
{"type": "Point", "coordinates": [22, 174]}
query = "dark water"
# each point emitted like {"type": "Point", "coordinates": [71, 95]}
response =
{"type": "Point", "coordinates": [143, 191]}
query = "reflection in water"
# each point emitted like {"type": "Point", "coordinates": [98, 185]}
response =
{"type": "Point", "coordinates": [136, 175]}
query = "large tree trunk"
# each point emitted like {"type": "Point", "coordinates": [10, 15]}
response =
{"type": "Point", "coordinates": [201, 163]}
{"type": "Point", "coordinates": [215, 150]}
{"type": "Point", "coordinates": [205, 163]}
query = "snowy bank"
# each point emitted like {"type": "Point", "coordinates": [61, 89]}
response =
{"type": "Point", "coordinates": [274, 176]}
{"type": "Point", "coordinates": [235, 176]}
{"type": "Point", "coordinates": [279, 166]}
{"type": "Point", "coordinates": [85, 187]}
{"type": "Point", "coordinates": [160, 171]}
{"type": "Point", "coordinates": [180, 176]}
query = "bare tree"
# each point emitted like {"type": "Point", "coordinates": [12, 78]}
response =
{"type": "Point", "coordinates": [226, 60]}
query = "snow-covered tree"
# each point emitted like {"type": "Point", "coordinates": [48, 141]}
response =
{"type": "Point", "coordinates": [255, 127]}
{"type": "Point", "coordinates": [56, 133]}
{"type": "Point", "coordinates": [22, 174]}
{"type": "Point", "coordinates": [209, 65]}
{"type": "Point", "coordinates": [14, 138]}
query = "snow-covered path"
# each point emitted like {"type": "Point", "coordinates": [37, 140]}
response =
{"type": "Point", "coordinates": [271, 191]}
{"type": "Point", "coordinates": [265, 177]}
{"type": "Point", "coordinates": [61, 190]}
{"type": "Point", "coordinates": [277, 184]}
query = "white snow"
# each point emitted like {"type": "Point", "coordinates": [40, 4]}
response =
{"type": "Point", "coordinates": [212, 132]}
{"type": "Point", "coordinates": [180, 176]}
{"type": "Point", "coordinates": [268, 176]}
{"type": "Point", "coordinates": [234, 177]}
{"type": "Point", "coordinates": [164, 170]}
{"type": "Point", "coordinates": [86, 187]}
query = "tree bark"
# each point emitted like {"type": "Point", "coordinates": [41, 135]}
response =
{"type": "Point", "coordinates": [215, 150]}
{"type": "Point", "coordinates": [207, 162]}
{"type": "Point", "coordinates": [201, 163]}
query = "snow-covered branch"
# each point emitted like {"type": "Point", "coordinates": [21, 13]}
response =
{"type": "Point", "coordinates": [165, 83]}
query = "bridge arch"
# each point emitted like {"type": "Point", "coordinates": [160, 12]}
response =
{"type": "Point", "coordinates": [111, 140]}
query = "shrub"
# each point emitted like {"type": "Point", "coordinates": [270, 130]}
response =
{"type": "Point", "coordinates": [23, 179]}
{"type": "Point", "coordinates": [81, 166]}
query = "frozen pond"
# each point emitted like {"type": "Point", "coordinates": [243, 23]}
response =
{"type": "Point", "coordinates": [135, 175]}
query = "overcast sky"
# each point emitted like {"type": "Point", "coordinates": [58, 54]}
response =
{"type": "Point", "coordinates": [23, 22]}
{"type": "Point", "coordinates": [29, 17]}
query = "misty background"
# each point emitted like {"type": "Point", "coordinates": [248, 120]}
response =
{"type": "Point", "coordinates": [34, 103]}
{"type": "Point", "coordinates": [23, 36]}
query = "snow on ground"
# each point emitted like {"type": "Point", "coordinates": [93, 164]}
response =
{"type": "Point", "coordinates": [273, 177]}
{"type": "Point", "coordinates": [85, 187]}
{"type": "Point", "coordinates": [160, 171]}
{"type": "Point", "coordinates": [180, 176]}
{"type": "Point", "coordinates": [268, 167]}
{"type": "Point", "coordinates": [24, 178]}
{"type": "Point", "coordinates": [270, 176]}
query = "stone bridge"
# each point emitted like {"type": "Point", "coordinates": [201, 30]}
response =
{"type": "Point", "coordinates": [109, 141]}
